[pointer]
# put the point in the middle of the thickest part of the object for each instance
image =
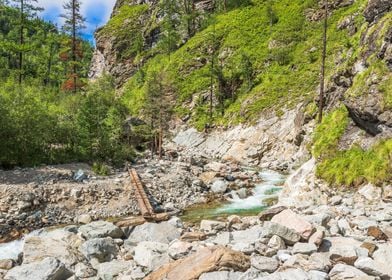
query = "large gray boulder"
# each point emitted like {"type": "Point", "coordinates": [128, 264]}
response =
{"type": "Point", "coordinates": [47, 269]}
{"type": "Point", "coordinates": [151, 255]}
{"type": "Point", "coordinates": [59, 244]}
{"type": "Point", "coordinates": [264, 264]}
{"type": "Point", "coordinates": [100, 229]}
{"type": "Point", "coordinates": [102, 249]}
{"type": "Point", "coordinates": [163, 232]}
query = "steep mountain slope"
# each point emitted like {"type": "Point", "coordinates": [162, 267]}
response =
{"type": "Point", "coordinates": [263, 57]}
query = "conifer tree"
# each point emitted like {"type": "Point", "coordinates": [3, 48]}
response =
{"type": "Point", "coordinates": [27, 9]}
{"type": "Point", "coordinates": [323, 59]}
{"type": "Point", "coordinates": [74, 23]}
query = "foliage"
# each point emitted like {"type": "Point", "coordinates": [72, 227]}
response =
{"type": "Point", "coordinates": [356, 166]}
{"type": "Point", "coordinates": [328, 133]}
{"type": "Point", "coordinates": [101, 169]}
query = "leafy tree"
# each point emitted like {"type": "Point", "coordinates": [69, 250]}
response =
{"type": "Point", "coordinates": [74, 23]}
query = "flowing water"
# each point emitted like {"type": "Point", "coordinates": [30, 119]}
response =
{"type": "Point", "coordinates": [12, 249]}
{"type": "Point", "coordinates": [263, 193]}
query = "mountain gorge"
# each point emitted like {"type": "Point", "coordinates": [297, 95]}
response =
{"type": "Point", "coordinates": [259, 60]}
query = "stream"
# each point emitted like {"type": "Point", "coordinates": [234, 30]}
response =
{"type": "Point", "coordinates": [262, 193]}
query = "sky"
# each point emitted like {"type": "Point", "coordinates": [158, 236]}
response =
{"type": "Point", "coordinates": [96, 12]}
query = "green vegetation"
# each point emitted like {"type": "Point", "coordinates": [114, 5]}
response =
{"type": "Point", "coordinates": [354, 166]}
{"type": "Point", "coordinates": [328, 133]}
{"type": "Point", "coordinates": [282, 46]}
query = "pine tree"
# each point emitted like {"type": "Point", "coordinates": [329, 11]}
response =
{"type": "Point", "coordinates": [74, 23]}
{"type": "Point", "coordinates": [27, 10]}
{"type": "Point", "coordinates": [171, 20]}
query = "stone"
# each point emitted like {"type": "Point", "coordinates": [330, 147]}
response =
{"type": "Point", "coordinates": [376, 233]}
{"type": "Point", "coordinates": [211, 226]}
{"type": "Point", "coordinates": [179, 249]}
{"type": "Point", "coordinates": [370, 247]}
{"type": "Point", "coordinates": [221, 275]}
{"type": "Point", "coordinates": [304, 248]}
{"type": "Point", "coordinates": [246, 248]}
{"type": "Point", "coordinates": [264, 264]}
{"type": "Point", "coordinates": [101, 249]}
{"type": "Point", "coordinates": [289, 274]}
{"type": "Point", "coordinates": [84, 219]}
{"type": "Point", "coordinates": [151, 254]}
{"type": "Point", "coordinates": [6, 264]}
{"type": "Point", "coordinates": [100, 229]}
{"type": "Point", "coordinates": [317, 237]}
{"type": "Point", "coordinates": [219, 186]}
{"type": "Point", "coordinates": [318, 275]}
{"type": "Point", "coordinates": [207, 259]}
{"type": "Point", "coordinates": [110, 270]}
{"type": "Point", "coordinates": [250, 235]}
{"type": "Point", "coordinates": [288, 235]}
{"type": "Point", "coordinates": [320, 262]}
{"type": "Point", "coordinates": [343, 271]}
{"type": "Point", "coordinates": [344, 227]}
{"type": "Point", "coordinates": [222, 238]}
{"type": "Point", "coordinates": [60, 244]}
{"type": "Point", "coordinates": [346, 254]}
{"type": "Point", "coordinates": [47, 269]}
{"type": "Point", "coordinates": [321, 219]}
{"type": "Point", "coordinates": [276, 242]}
{"type": "Point", "coordinates": [84, 271]}
{"type": "Point", "coordinates": [335, 200]}
{"type": "Point", "coordinates": [294, 221]}
{"type": "Point", "coordinates": [387, 193]}
{"type": "Point", "coordinates": [376, 8]}
{"type": "Point", "coordinates": [193, 236]}
{"type": "Point", "coordinates": [164, 232]}
{"type": "Point", "coordinates": [383, 256]}
{"type": "Point", "coordinates": [370, 192]}
{"type": "Point", "coordinates": [268, 214]}
{"type": "Point", "coordinates": [371, 267]}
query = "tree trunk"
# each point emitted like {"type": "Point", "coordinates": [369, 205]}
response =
{"type": "Point", "coordinates": [324, 55]}
{"type": "Point", "coordinates": [74, 45]}
{"type": "Point", "coordinates": [21, 41]}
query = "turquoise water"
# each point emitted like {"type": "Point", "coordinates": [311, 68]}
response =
{"type": "Point", "coordinates": [263, 193]}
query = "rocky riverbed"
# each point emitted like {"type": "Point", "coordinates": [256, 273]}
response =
{"type": "Point", "coordinates": [349, 237]}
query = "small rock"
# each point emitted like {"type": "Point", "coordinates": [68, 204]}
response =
{"type": "Point", "coordinates": [179, 249]}
{"type": "Point", "coordinates": [101, 229]}
{"type": "Point", "coordinates": [317, 237]}
{"type": "Point", "coordinates": [102, 249]}
{"type": "Point", "coordinates": [219, 186]}
{"type": "Point", "coordinates": [84, 219]}
{"type": "Point", "coordinates": [211, 226]}
{"type": "Point", "coordinates": [335, 200]}
{"type": "Point", "coordinates": [370, 192]}
{"type": "Point", "coordinates": [276, 243]}
{"type": "Point", "coordinates": [268, 214]}
{"type": "Point", "coordinates": [294, 221]}
{"type": "Point", "coordinates": [6, 264]}
{"type": "Point", "coordinates": [343, 271]}
{"type": "Point", "coordinates": [377, 233]}
{"type": "Point", "coordinates": [369, 266]}
{"type": "Point", "coordinates": [288, 235]}
{"type": "Point", "coordinates": [304, 248]}
{"type": "Point", "coordinates": [264, 264]}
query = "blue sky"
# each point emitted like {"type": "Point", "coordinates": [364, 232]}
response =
{"type": "Point", "coordinates": [97, 13]}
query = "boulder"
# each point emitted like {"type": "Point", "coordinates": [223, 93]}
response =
{"type": "Point", "coordinates": [100, 229]}
{"type": "Point", "coordinates": [288, 235]}
{"type": "Point", "coordinates": [208, 259]}
{"type": "Point", "coordinates": [47, 269]}
{"type": "Point", "coordinates": [376, 233]}
{"type": "Point", "coordinates": [6, 264]}
{"type": "Point", "coordinates": [343, 271]}
{"type": "Point", "coordinates": [102, 249]}
{"type": "Point", "coordinates": [219, 186]}
{"type": "Point", "coordinates": [151, 254]}
{"type": "Point", "coordinates": [164, 232]}
{"type": "Point", "coordinates": [317, 237]}
{"type": "Point", "coordinates": [59, 244]}
{"type": "Point", "coordinates": [383, 256]}
{"type": "Point", "coordinates": [250, 235]}
{"type": "Point", "coordinates": [264, 264]}
{"type": "Point", "coordinates": [376, 8]}
{"type": "Point", "coordinates": [371, 267]}
{"type": "Point", "coordinates": [294, 221]}
{"type": "Point", "coordinates": [276, 243]}
{"type": "Point", "coordinates": [84, 271]}
{"type": "Point", "coordinates": [193, 236]}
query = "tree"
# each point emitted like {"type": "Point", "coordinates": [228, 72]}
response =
{"type": "Point", "coordinates": [27, 10]}
{"type": "Point", "coordinates": [158, 107]}
{"type": "Point", "coordinates": [171, 20]}
{"type": "Point", "coordinates": [74, 23]}
{"type": "Point", "coordinates": [324, 55]}
{"type": "Point", "coordinates": [189, 17]}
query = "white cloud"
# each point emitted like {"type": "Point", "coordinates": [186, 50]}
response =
{"type": "Point", "coordinates": [56, 6]}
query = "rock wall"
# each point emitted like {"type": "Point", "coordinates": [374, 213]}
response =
{"type": "Point", "coordinates": [274, 142]}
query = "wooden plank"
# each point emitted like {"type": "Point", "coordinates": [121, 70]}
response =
{"type": "Point", "coordinates": [141, 197]}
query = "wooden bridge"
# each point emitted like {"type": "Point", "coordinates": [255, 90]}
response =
{"type": "Point", "coordinates": [145, 207]}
